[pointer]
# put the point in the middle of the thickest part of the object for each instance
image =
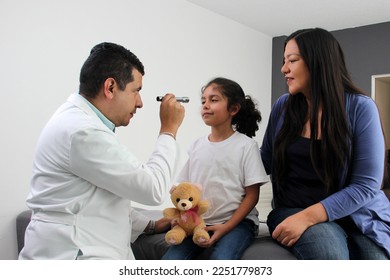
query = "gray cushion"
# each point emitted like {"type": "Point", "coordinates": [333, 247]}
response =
{"type": "Point", "coordinates": [266, 248]}
{"type": "Point", "coordinates": [152, 247]}
{"type": "Point", "coordinates": [22, 221]}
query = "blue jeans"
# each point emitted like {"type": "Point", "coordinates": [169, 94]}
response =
{"type": "Point", "coordinates": [230, 247]}
{"type": "Point", "coordinates": [339, 240]}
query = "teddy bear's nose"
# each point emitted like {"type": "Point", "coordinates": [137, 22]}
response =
{"type": "Point", "coordinates": [183, 204]}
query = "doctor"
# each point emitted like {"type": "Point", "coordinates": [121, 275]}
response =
{"type": "Point", "coordinates": [83, 178]}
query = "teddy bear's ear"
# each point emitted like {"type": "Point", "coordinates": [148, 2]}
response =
{"type": "Point", "coordinates": [172, 189]}
{"type": "Point", "coordinates": [199, 186]}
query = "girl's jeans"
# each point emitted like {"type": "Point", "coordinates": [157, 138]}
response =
{"type": "Point", "coordinates": [230, 247]}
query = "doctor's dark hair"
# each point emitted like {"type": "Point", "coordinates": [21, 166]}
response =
{"type": "Point", "coordinates": [247, 119]}
{"type": "Point", "coordinates": [108, 60]}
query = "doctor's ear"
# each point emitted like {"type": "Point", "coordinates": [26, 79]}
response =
{"type": "Point", "coordinates": [108, 87]}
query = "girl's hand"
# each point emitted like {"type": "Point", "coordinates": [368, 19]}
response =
{"type": "Point", "coordinates": [218, 231]}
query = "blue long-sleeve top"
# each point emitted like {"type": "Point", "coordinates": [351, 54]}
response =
{"type": "Point", "coordinates": [360, 195]}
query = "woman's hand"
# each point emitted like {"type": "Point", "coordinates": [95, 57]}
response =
{"type": "Point", "coordinates": [291, 229]}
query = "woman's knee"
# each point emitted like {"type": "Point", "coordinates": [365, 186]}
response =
{"type": "Point", "coordinates": [324, 241]}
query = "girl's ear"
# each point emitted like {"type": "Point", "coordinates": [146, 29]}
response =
{"type": "Point", "coordinates": [234, 109]}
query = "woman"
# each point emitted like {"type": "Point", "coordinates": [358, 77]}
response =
{"type": "Point", "coordinates": [324, 149]}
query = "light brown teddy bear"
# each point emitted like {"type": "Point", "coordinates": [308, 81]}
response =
{"type": "Point", "coordinates": [189, 207]}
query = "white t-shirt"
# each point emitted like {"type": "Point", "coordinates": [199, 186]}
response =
{"type": "Point", "coordinates": [224, 169]}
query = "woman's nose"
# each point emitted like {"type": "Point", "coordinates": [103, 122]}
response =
{"type": "Point", "coordinates": [284, 69]}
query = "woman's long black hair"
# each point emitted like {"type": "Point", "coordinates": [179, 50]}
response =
{"type": "Point", "coordinates": [330, 81]}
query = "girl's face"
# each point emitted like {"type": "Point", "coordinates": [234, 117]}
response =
{"type": "Point", "coordinates": [214, 110]}
{"type": "Point", "coordinates": [295, 70]}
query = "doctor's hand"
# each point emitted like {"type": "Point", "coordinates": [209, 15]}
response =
{"type": "Point", "coordinates": [171, 114]}
{"type": "Point", "coordinates": [163, 225]}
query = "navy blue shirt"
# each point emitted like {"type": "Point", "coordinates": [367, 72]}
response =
{"type": "Point", "coordinates": [302, 186]}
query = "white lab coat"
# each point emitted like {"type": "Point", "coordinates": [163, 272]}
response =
{"type": "Point", "coordinates": [82, 183]}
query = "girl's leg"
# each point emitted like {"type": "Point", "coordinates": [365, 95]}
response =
{"type": "Point", "coordinates": [187, 250]}
{"type": "Point", "coordinates": [232, 245]}
{"type": "Point", "coordinates": [324, 241]}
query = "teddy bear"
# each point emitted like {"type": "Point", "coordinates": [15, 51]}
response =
{"type": "Point", "coordinates": [187, 214]}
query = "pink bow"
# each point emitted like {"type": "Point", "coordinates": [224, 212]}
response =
{"type": "Point", "coordinates": [193, 212]}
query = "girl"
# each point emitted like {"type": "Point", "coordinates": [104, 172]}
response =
{"type": "Point", "coordinates": [228, 166]}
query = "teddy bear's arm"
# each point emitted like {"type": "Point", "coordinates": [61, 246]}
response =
{"type": "Point", "coordinates": [203, 206]}
{"type": "Point", "coordinates": [171, 213]}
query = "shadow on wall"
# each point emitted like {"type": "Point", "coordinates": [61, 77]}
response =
{"type": "Point", "coordinates": [386, 180]}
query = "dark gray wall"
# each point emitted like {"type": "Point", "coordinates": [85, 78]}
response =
{"type": "Point", "coordinates": [366, 49]}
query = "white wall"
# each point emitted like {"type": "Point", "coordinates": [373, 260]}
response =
{"type": "Point", "coordinates": [45, 42]}
{"type": "Point", "coordinates": [381, 95]}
